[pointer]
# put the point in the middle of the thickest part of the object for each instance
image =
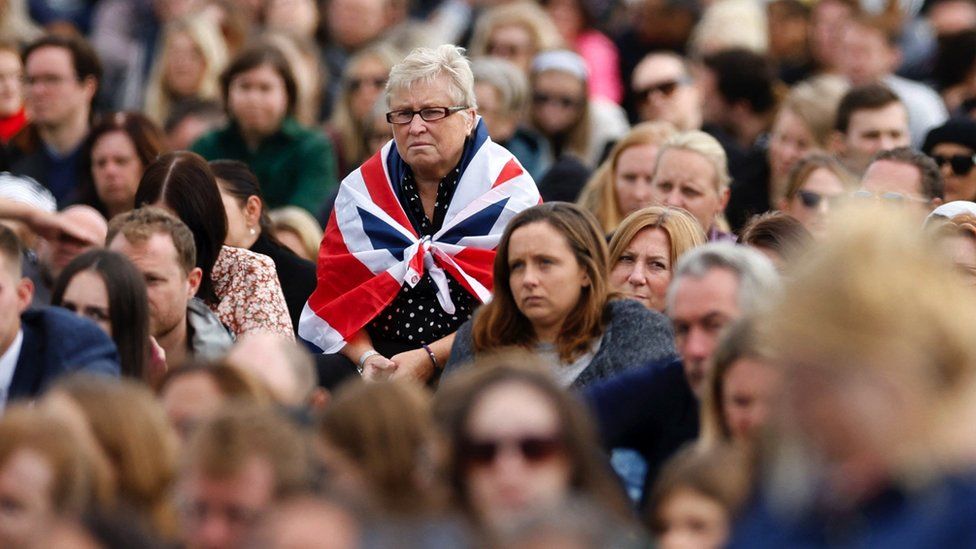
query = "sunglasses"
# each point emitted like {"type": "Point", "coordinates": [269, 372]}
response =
{"type": "Point", "coordinates": [890, 197]}
{"type": "Point", "coordinates": [961, 164]}
{"type": "Point", "coordinates": [534, 449]}
{"type": "Point", "coordinates": [563, 101]}
{"type": "Point", "coordinates": [812, 200]}
{"type": "Point", "coordinates": [355, 84]}
{"type": "Point", "coordinates": [666, 89]}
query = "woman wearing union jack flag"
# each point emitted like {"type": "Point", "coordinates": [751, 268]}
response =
{"type": "Point", "coordinates": [408, 251]}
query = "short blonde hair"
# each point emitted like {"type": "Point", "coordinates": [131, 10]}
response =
{"type": "Point", "coordinates": [683, 230]}
{"type": "Point", "coordinates": [428, 64]}
{"type": "Point", "coordinates": [599, 196]}
{"type": "Point", "coordinates": [705, 145]}
{"type": "Point", "coordinates": [730, 24]}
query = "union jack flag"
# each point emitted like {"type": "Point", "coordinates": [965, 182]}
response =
{"type": "Point", "coordinates": [370, 249]}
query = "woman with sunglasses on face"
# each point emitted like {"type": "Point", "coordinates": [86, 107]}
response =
{"type": "Point", "coordinates": [953, 147]}
{"type": "Point", "coordinates": [519, 445]}
{"type": "Point", "coordinates": [814, 184]}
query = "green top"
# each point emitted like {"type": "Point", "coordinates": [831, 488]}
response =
{"type": "Point", "coordinates": [295, 166]}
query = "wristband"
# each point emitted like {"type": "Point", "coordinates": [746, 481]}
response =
{"type": "Point", "coordinates": [433, 358]}
{"type": "Point", "coordinates": [363, 358]}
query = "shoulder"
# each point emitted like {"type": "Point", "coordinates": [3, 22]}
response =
{"type": "Point", "coordinates": [628, 314]}
{"type": "Point", "coordinates": [211, 141]}
{"type": "Point", "coordinates": [637, 333]}
{"type": "Point", "coordinates": [69, 340]}
{"type": "Point", "coordinates": [237, 268]}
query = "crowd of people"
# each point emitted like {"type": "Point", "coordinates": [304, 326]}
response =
{"type": "Point", "coordinates": [465, 273]}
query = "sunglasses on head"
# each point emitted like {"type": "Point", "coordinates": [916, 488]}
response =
{"type": "Point", "coordinates": [666, 88]}
{"type": "Point", "coordinates": [961, 164]}
{"type": "Point", "coordinates": [563, 101]}
{"type": "Point", "coordinates": [534, 449]}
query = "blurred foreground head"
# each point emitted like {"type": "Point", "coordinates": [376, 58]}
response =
{"type": "Point", "coordinates": [874, 335]}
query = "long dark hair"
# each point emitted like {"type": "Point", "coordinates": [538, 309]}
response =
{"type": "Point", "coordinates": [183, 182]}
{"type": "Point", "coordinates": [236, 179]}
{"type": "Point", "coordinates": [128, 305]}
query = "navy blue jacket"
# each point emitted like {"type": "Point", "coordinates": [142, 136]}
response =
{"type": "Point", "coordinates": [58, 342]}
{"type": "Point", "coordinates": [650, 409]}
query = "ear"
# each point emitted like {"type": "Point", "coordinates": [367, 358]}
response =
{"type": "Point", "coordinates": [90, 84]}
{"type": "Point", "coordinates": [471, 117]}
{"type": "Point", "coordinates": [585, 279]}
{"type": "Point", "coordinates": [894, 58]}
{"type": "Point", "coordinates": [25, 293]}
{"type": "Point", "coordinates": [724, 199]}
{"type": "Point", "coordinates": [252, 210]}
{"type": "Point", "coordinates": [935, 202]}
{"type": "Point", "coordinates": [193, 279]}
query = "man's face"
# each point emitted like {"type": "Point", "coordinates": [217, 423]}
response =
{"type": "Point", "coordinates": [54, 95]}
{"type": "Point", "coordinates": [867, 54]}
{"type": "Point", "coordinates": [664, 91]}
{"type": "Point", "coordinates": [701, 308]}
{"type": "Point", "coordinates": [222, 512]}
{"type": "Point", "coordinates": [15, 297]}
{"type": "Point", "coordinates": [169, 288]}
{"type": "Point", "coordinates": [872, 131]}
{"type": "Point", "coordinates": [897, 182]}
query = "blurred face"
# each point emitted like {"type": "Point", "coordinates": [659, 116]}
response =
{"type": "Point", "coordinates": [239, 228]}
{"type": "Point", "coordinates": [633, 178]}
{"type": "Point", "coordinates": [258, 100]}
{"type": "Point", "coordinates": [664, 91]}
{"type": "Point", "coordinates": [168, 287]}
{"type": "Point", "coordinates": [353, 23]}
{"type": "Point", "coordinates": [956, 164]}
{"type": "Point", "coordinates": [365, 84]}
{"type": "Point", "coordinates": [222, 512]}
{"type": "Point", "coordinates": [567, 16]}
{"type": "Point", "coordinates": [300, 17]}
{"type": "Point", "coordinates": [185, 66]}
{"type": "Point", "coordinates": [952, 16]}
{"type": "Point", "coordinates": [691, 519]}
{"type": "Point", "coordinates": [557, 102]}
{"type": "Point", "coordinates": [515, 460]}
{"type": "Point", "coordinates": [898, 183]}
{"type": "Point", "coordinates": [872, 131]}
{"type": "Point", "coordinates": [702, 307]}
{"type": "Point", "coordinates": [789, 140]}
{"type": "Point", "coordinates": [431, 149]}
{"type": "Point", "coordinates": [546, 280]}
{"type": "Point", "coordinates": [827, 24]}
{"type": "Point", "coordinates": [750, 387]}
{"type": "Point", "coordinates": [15, 297]}
{"type": "Point", "coordinates": [512, 43]}
{"type": "Point", "coordinates": [643, 271]}
{"type": "Point", "coordinates": [55, 96]}
{"type": "Point", "coordinates": [501, 124]}
{"type": "Point", "coordinates": [686, 179]}
{"type": "Point", "coordinates": [293, 242]}
{"type": "Point", "coordinates": [11, 86]}
{"type": "Point", "coordinates": [811, 205]}
{"type": "Point", "coordinates": [867, 55]}
{"type": "Point", "coordinates": [116, 170]}
{"type": "Point", "coordinates": [87, 296]}
{"type": "Point", "coordinates": [26, 482]}
{"type": "Point", "coordinates": [189, 400]}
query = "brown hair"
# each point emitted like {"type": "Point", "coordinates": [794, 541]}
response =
{"type": "Point", "coordinates": [386, 429]}
{"type": "Point", "coordinates": [500, 323]}
{"type": "Point", "coordinates": [683, 230]}
{"type": "Point", "coordinates": [139, 225]}
{"type": "Point", "coordinates": [599, 196]}
{"type": "Point", "coordinates": [460, 394]}
{"type": "Point", "coordinates": [804, 168]}
{"type": "Point", "coordinates": [776, 231]}
{"type": "Point", "coordinates": [233, 383]}
{"type": "Point", "coordinates": [130, 425]}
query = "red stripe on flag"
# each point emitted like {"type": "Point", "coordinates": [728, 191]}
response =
{"type": "Point", "coordinates": [478, 264]}
{"type": "Point", "coordinates": [510, 171]}
{"type": "Point", "coordinates": [381, 192]}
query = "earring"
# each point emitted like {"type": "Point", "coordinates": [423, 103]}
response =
{"type": "Point", "coordinates": [253, 232]}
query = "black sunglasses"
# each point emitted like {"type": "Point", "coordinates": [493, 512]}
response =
{"type": "Point", "coordinates": [961, 164]}
{"type": "Point", "coordinates": [812, 200]}
{"type": "Point", "coordinates": [563, 101]}
{"type": "Point", "coordinates": [534, 449]}
{"type": "Point", "coordinates": [666, 88]}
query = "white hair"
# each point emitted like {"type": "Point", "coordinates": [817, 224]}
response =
{"type": "Point", "coordinates": [428, 64]}
{"type": "Point", "coordinates": [759, 282]}
{"type": "Point", "coordinates": [705, 145]}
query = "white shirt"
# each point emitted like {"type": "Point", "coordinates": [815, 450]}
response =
{"type": "Point", "coordinates": [8, 364]}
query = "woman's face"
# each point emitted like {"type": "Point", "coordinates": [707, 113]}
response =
{"type": "Point", "coordinates": [514, 458]}
{"type": "Point", "coordinates": [958, 186]}
{"type": "Point", "coordinates": [87, 296]}
{"type": "Point", "coordinates": [747, 394]}
{"type": "Point", "coordinates": [26, 509]}
{"type": "Point", "coordinates": [546, 279]}
{"type": "Point", "coordinates": [686, 179]}
{"type": "Point", "coordinates": [567, 16]}
{"type": "Point", "coordinates": [790, 139]}
{"type": "Point", "coordinates": [258, 100]}
{"type": "Point", "coordinates": [11, 83]}
{"type": "Point", "coordinates": [643, 271]}
{"type": "Point", "coordinates": [239, 229]}
{"type": "Point", "coordinates": [185, 66]}
{"type": "Point", "coordinates": [366, 82]}
{"type": "Point", "coordinates": [293, 242]}
{"type": "Point", "coordinates": [512, 43]}
{"type": "Point", "coordinates": [557, 102]}
{"type": "Point", "coordinates": [691, 519]}
{"type": "Point", "coordinates": [116, 170]}
{"type": "Point", "coordinates": [633, 176]}
{"type": "Point", "coordinates": [299, 17]}
{"type": "Point", "coordinates": [811, 205]}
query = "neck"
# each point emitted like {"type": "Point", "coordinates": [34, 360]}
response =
{"type": "Point", "coordinates": [115, 209]}
{"type": "Point", "coordinates": [175, 343]}
{"type": "Point", "coordinates": [65, 138]}
{"type": "Point", "coordinates": [250, 239]}
{"type": "Point", "coordinates": [547, 334]}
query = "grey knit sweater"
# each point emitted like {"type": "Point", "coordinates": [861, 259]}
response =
{"type": "Point", "coordinates": [635, 336]}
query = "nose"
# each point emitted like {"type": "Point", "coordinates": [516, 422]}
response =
{"type": "Point", "coordinates": [214, 532]}
{"type": "Point", "coordinates": [637, 275]}
{"type": "Point", "coordinates": [417, 125]}
{"type": "Point", "coordinates": [697, 345]}
{"type": "Point", "coordinates": [674, 199]}
{"type": "Point", "coordinates": [529, 276]}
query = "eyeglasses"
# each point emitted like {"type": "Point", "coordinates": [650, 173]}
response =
{"type": "Point", "coordinates": [563, 101]}
{"type": "Point", "coordinates": [961, 164]}
{"type": "Point", "coordinates": [812, 200]}
{"type": "Point", "coordinates": [891, 197]}
{"type": "Point", "coordinates": [354, 84]}
{"type": "Point", "coordinates": [534, 449]}
{"type": "Point", "coordinates": [428, 114]}
{"type": "Point", "coordinates": [666, 89]}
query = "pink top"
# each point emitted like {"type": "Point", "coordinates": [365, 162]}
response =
{"type": "Point", "coordinates": [250, 294]}
{"type": "Point", "coordinates": [602, 61]}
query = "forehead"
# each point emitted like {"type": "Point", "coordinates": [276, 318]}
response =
{"type": "Point", "coordinates": [658, 68]}
{"type": "Point", "coordinates": [890, 176]}
{"type": "Point", "coordinates": [423, 93]}
{"type": "Point", "coordinates": [537, 237]}
{"type": "Point", "coordinates": [557, 80]}
{"type": "Point", "coordinates": [892, 116]}
{"type": "Point", "coordinates": [698, 297]}
{"type": "Point", "coordinates": [157, 252]}
{"type": "Point", "coordinates": [50, 58]}
{"type": "Point", "coordinates": [951, 148]}
{"type": "Point", "coordinates": [512, 407]}
{"type": "Point", "coordinates": [682, 165]}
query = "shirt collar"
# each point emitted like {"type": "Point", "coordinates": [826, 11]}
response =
{"type": "Point", "coordinates": [8, 365]}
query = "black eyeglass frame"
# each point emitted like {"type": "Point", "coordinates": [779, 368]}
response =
{"type": "Point", "coordinates": [433, 114]}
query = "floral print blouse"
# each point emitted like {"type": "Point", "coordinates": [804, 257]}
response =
{"type": "Point", "coordinates": [250, 295]}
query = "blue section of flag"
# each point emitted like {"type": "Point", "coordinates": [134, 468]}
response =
{"type": "Point", "coordinates": [480, 223]}
{"type": "Point", "coordinates": [382, 236]}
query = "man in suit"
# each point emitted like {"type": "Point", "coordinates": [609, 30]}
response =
{"type": "Point", "coordinates": [39, 345]}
